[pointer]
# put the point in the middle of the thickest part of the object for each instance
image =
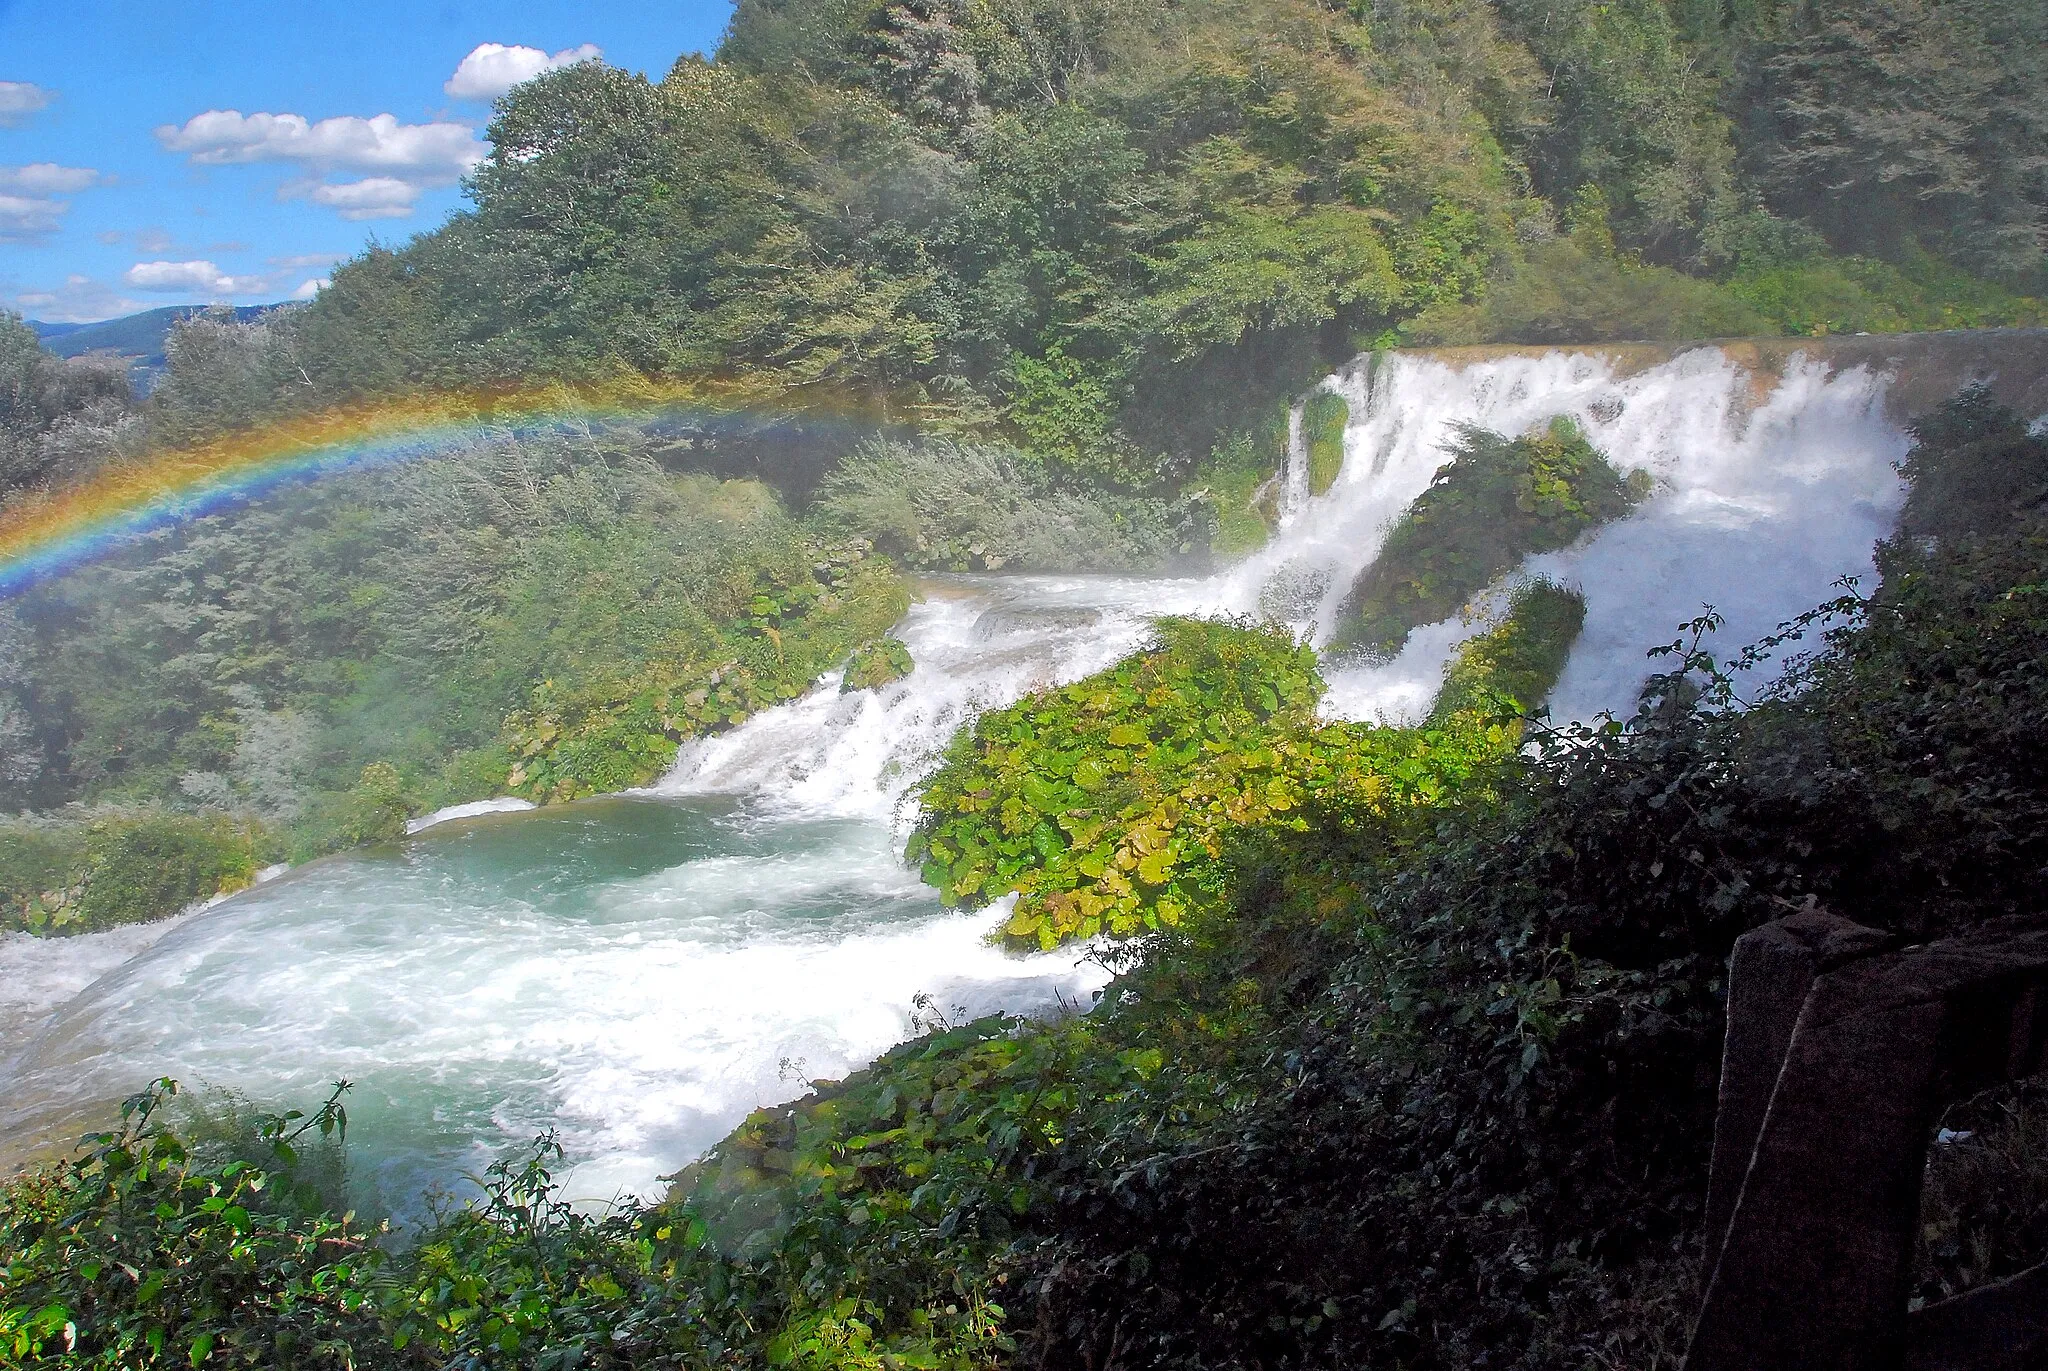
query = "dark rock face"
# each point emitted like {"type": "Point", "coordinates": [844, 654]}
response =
{"type": "Point", "coordinates": [1840, 1056]}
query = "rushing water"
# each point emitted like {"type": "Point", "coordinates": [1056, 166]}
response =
{"type": "Point", "coordinates": [640, 971]}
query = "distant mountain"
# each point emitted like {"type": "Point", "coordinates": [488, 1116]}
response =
{"type": "Point", "coordinates": [138, 337]}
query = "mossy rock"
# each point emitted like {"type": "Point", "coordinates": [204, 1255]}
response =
{"type": "Point", "coordinates": [1497, 501]}
{"type": "Point", "coordinates": [1323, 420]}
{"type": "Point", "coordinates": [876, 664]}
{"type": "Point", "coordinates": [1515, 663]}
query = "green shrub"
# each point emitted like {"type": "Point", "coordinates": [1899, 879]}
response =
{"type": "Point", "coordinates": [879, 663]}
{"type": "Point", "coordinates": [142, 1254]}
{"type": "Point", "coordinates": [1568, 291]}
{"type": "Point", "coordinates": [1495, 502]}
{"type": "Point", "coordinates": [1793, 281]}
{"type": "Point", "coordinates": [1105, 804]}
{"type": "Point", "coordinates": [42, 865]}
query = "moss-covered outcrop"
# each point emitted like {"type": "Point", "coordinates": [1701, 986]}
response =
{"type": "Point", "coordinates": [611, 734]}
{"type": "Point", "coordinates": [1497, 501]}
{"type": "Point", "coordinates": [1323, 417]}
{"type": "Point", "coordinates": [884, 661]}
{"type": "Point", "coordinates": [1516, 661]}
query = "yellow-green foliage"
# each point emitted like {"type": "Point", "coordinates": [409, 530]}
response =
{"type": "Point", "coordinates": [1105, 804]}
{"type": "Point", "coordinates": [610, 734]}
{"type": "Point", "coordinates": [1513, 665]}
{"type": "Point", "coordinates": [1322, 423]}
{"type": "Point", "coordinates": [121, 868]}
{"type": "Point", "coordinates": [1495, 502]}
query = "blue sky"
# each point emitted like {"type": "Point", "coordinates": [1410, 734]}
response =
{"type": "Point", "coordinates": [159, 153]}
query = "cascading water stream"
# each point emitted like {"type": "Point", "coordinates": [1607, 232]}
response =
{"type": "Point", "coordinates": [640, 971]}
{"type": "Point", "coordinates": [1294, 492]}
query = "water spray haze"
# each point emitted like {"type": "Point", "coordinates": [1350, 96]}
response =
{"type": "Point", "coordinates": [41, 539]}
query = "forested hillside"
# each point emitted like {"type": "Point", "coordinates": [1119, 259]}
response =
{"type": "Point", "coordinates": [1114, 233]}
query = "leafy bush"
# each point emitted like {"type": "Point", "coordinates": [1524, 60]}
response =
{"type": "Point", "coordinates": [41, 865]}
{"type": "Point", "coordinates": [1495, 502]}
{"type": "Point", "coordinates": [119, 867]}
{"type": "Point", "coordinates": [956, 506]}
{"type": "Point", "coordinates": [139, 1254]}
{"type": "Point", "coordinates": [879, 663]}
{"type": "Point", "coordinates": [1105, 804]}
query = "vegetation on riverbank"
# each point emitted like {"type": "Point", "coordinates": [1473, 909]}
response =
{"type": "Point", "coordinates": [1410, 1062]}
{"type": "Point", "coordinates": [1105, 805]}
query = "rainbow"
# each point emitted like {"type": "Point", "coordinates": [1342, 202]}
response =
{"type": "Point", "coordinates": [44, 537]}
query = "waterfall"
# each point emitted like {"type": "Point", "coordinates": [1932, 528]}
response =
{"type": "Point", "coordinates": [641, 971]}
{"type": "Point", "coordinates": [1294, 494]}
{"type": "Point", "coordinates": [1768, 488]}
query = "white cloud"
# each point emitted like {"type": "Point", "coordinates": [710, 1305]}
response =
{"type": "Point", "coordinates": [308, 289]}
{"type": "Point", "coordinates": [491, 69]}
{"type": "Point", "coordinates": [424, 154]}
{"type": "Point", "coordinates": [47, 178]}
{"type": "Point", "coordinates": [394, 161]}
{"type": "Point", "coordinates": [20, 100]}
{"type": "Point", "coordinates": [25, 216]}
{"type": "Point", "coordinates": [193, 278]}
{"type": "Point", "coordinates": [374, 197]}
{"type": "Point", "coordinates": [29, 207]}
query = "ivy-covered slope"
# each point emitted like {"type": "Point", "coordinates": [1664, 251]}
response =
{"type": "Point", "coordinates": [1105, 805]}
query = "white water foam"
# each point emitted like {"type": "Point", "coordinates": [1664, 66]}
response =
{"type": "Point", "coordinates": [1758, 508]}
{"type": "Point", "coordinates": [503, 804]}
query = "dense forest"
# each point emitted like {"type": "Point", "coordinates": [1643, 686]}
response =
{"type": "Point", "coordinates": [1029, 285]}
